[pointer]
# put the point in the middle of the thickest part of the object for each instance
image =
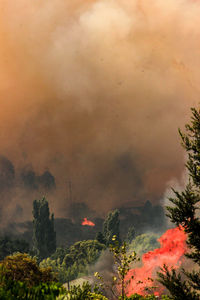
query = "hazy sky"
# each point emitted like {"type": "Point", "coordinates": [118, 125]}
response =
{"type": "Point", "coordinates": [94, 91]}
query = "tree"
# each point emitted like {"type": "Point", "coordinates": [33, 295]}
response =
{"type": "Point", "coordinates": [122, 262]}
{"type": "Point", "coordinates": [80, 255]}
{"type": "Point", "coordinates": [184, 212]}
{"type": "Point", "coordinates": [44, 236]}
{"type": "Point", "coordinates": [111, 227]}
{"type": "Point", "coordinates": [70, 262]}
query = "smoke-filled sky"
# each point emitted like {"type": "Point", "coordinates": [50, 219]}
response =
{"type": "Point", "coordinates": [94, 91]}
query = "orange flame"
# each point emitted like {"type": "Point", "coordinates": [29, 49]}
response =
{"type": "Point", "coordinates": [87, 222]}
{"type": "Point", "coordinates": [173, 247]}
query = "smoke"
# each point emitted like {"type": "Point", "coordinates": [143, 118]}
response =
{"type": "Point", "coordinates": [106, 269]}
{"type": "Point", "coordinates": [94, 91]}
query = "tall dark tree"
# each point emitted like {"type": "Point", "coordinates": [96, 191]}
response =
{"type": "Point", "coordinates": [44, 236]}
{"type": "Point", "coordinates": [185, 212]}
{"type": "Point", "coordinates": [111, 227]}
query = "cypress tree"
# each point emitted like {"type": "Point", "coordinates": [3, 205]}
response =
{"type": "Point", "coordinates": [44, 236]}
{"type": "Point", "coordinates": [111, 227]}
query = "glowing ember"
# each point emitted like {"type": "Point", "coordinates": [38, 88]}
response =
{"type": "Point", "coordinates": [87, 222]}
{"type": "Point", "coordinates": [173, 247]}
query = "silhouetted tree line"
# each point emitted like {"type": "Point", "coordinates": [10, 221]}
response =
{"type": "Point", "coordinates": [132, 222]}
{"type": "Point", "coordinates": [27, 177]}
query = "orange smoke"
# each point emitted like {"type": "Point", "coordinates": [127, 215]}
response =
{"type": "Point", "coordinates": [87, 222]}
{"type": "Point", "coordinates": [173, 247]}
{"type": "Point", "coordinates": [94, 91]}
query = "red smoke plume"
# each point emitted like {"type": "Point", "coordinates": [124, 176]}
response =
{"type": "Point", "coordinates": [173, 247]}
{"type": "Point", "coordinates": [87, 222]}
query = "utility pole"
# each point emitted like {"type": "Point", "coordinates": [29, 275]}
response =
{"type": "Point", "coordinates": [70, 198]}
{"type": "Point", "coordinates": [70, 191]}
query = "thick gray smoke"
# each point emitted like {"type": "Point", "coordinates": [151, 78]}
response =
{"type": "Point", "coordinates": [93, 92]}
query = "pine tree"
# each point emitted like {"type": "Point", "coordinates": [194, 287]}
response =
{"type": "Point", "coordinates": [185, 213]}
{"type": "Point", "coordinates": [111, 227]}
{"type": "Point", "coordinates": [44, 236]}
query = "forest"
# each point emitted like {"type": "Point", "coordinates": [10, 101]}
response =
{"type": "Point", "coordinates": [110, 258]}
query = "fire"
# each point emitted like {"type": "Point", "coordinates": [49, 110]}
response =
{"type": "Point", "coordinates": [173, 247]}
{"type": "Point", "coordinates": [87, 222]}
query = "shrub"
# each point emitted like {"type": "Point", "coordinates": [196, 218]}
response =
{"type": "Point", "coordinates": [13, 290]}
{"type": "Point", "coordinates": [82, 293]}
{"type": "Point", "coordinates": [21, 267]}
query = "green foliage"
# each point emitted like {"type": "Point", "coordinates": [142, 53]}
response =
{"type": "Point", "coordinates": [21, 267]}
{"type": "Point", "coordinates": [144, 243]}
{"type": "Point", "coordinates": [82, 293]}
{"type": "Point", "coordinates": [44, 236]}
{"type": "Point", "coordinates": [111, 227]}
{"type": "Point", "coordinates": [191, 143]}
{"type": "Point", "coordinates": [179, 288]}
{"type": "Point", "coordinates": [122, 261]}
{"type": "Point", "coordinates": [82, 254]}
{"type": "Point", "coordinates": [9, 246]}
{"type": "Point", "coordinates": [83, 251]}
{"type": "Point", "coordinates": [185, 212]}
{"type": "Point", "coordinates": [96, 296]}
{"type": "Point", "coordinates": [13, 290]}
{"type": "Point", "coordinates": [59, 270]}
{"type": "Point", "coordinates": [76, 260]}
{"type": "Point", "coordinates": [21, 278]}
{"type": "Point", "coordinates": [59, 254]}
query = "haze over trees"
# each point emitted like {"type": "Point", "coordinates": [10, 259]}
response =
{"type": "Point", "coordinates": [31, 180]}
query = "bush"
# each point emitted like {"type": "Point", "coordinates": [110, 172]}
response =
{"type": "Point", "coordinates": [76, 260]}
{"type": "Point", "coordinates": [21, 278]}
{"type": "Point", "coordinates": [23, 268]}
{"type": "Point", "coordinates": [144, 243]}
{"type": "Point", "coordinates": [82, 293]}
